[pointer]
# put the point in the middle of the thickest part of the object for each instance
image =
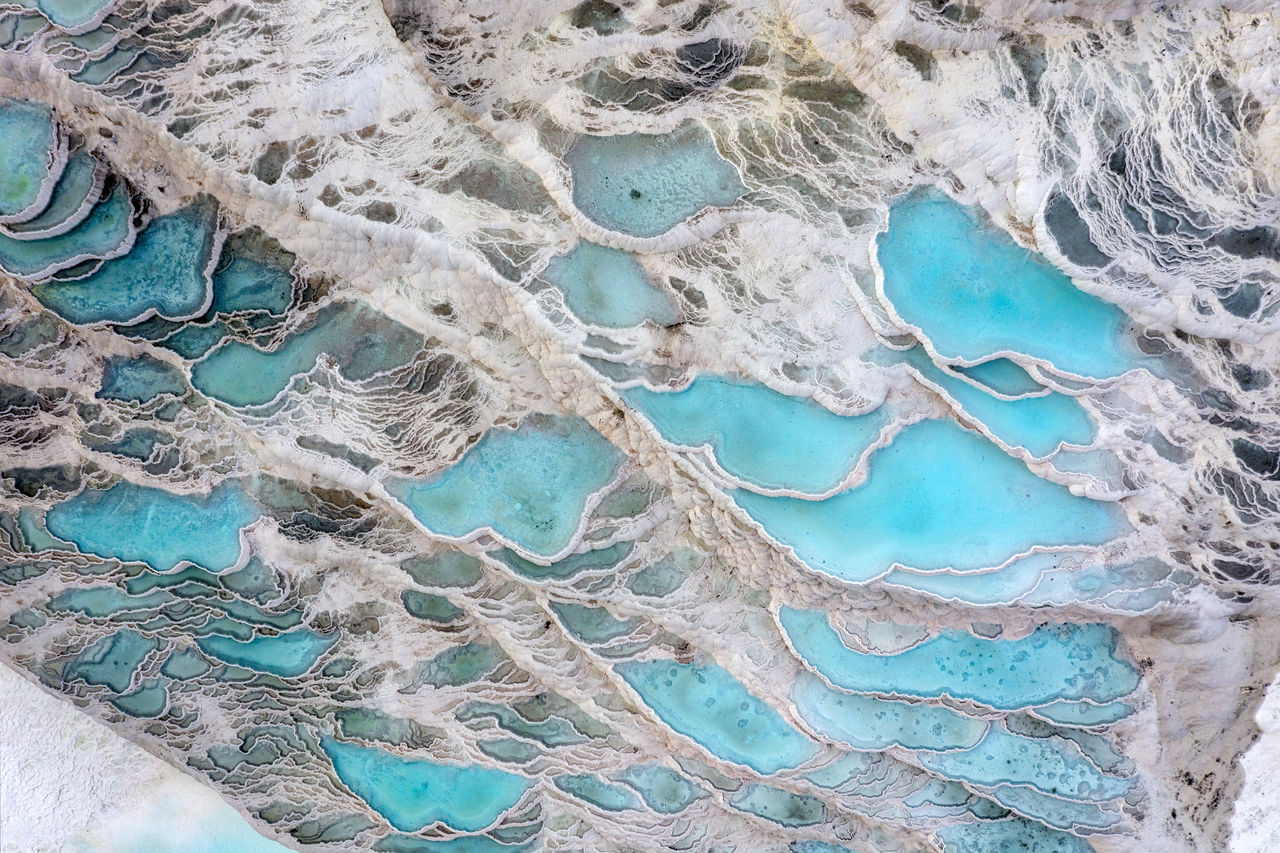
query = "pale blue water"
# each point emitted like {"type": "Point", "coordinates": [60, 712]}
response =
{"type": "Point", "coordinates": [975, 292]}
{"type": "Point", "coordinates": [607, 287]}
{"type": "Point", "coordinates": [664, 790]}
{"type": "Point", "coordinates": [1038, 424]}
{"type": "Point", "coordinates": [159, 528]}
{"type": "Point", "coordinates": [360, 341]}
{"type": "Point", "coordinates": [939, 496]}
{"type": "Point", "coordinates": [102, 233]}
{"type": "Point", "coordinates": [530, 484]}
{"type": "Point", "coordinates": [29, 142]}
{"type": "Point", "coordinates": [288, 655]}
{"type": "Point", "coordinates": [183, 664]}
{"type": "Point", "coordinates": [601, 558]}
{"type": "Point", "coordinates": [644, 185]}
{"type": "Point", "coordinates": [598, 792]}
{"type": "Point", "coordinates": [1002, 376]}
{"type": "Point", "coordinates": [706, 703]}
{"type": "Point", "coordinates": [1085, 713]}
{"type": "Point", "coordinates": [866, 722]}
{"type": "Point", "coordinates": [1051, 766]}
{"type": "Point", "coordinates": [759, 436]}
{"type": "Point", "coordinates": [73, 197]}
{"type": "Point", "coordinates": [139, 379]}
{"type": "Point", "coordinates": [102, 601]}
{"type": "Point", "coordinates": [1054, 811]}
{"type": "Point", "coordinates": [984, 588]}
{"type": "Point", "coordinates": [1008, 835]}
{"type": "Point", "coordinates": [1054, 662]}
{"type": "Point", "coordinates": [164, 272]}
{"type": "Point", "coordinates": [414, 793]}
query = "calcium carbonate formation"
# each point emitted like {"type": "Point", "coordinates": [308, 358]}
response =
{"type": "Point", "coordinates": [644, 425]}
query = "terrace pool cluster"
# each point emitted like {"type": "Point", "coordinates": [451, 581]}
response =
{"type": "Point", "coordinates": [596, 470]}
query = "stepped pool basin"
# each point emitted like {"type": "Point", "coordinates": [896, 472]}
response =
{"type": "Point", "coordinates": [165, 273]}
{"type": "Point", "coordinates": [154, 526]}
{"type": "Point", "coordinates": [938, 497]}
{"type": "Point", "coordinates": [1070, 662]}
{"type": "Point", "coordinates": [975, 293]}
{"type": "Point", "coordinates": [28, 162]}
{"type": "Point", "coordinates": [412, 793]}
{"type": "Point", "coordinates": [287, 655]}
{"type": "Point", "coordinates": [359, 341]}
{"type": "Point", "coordinates": [603, 286]}
{"type": "Point", "coordinates": [645, 185]}
{"type": "Point", "coordinates": [768, 440]}
{"type": "Point", "coordinates": [529, 485]}
{"type": "Point", "coordinates": [706, 703]}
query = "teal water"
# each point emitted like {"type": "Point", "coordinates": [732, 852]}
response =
{"type": "Point", "coordinates": [166, 272]}
{"type": "Point", "coordinates": [1052, 766]}
{"type": "Point", "coordinates": [413, 793]}
{"type": "Point", "coordinates": [30, 140]}
{"type": "Point", "coordinates": [111, 660]}
{"type": "Point", "coordinates": [706, 703]}
{"type": "Point", "coordinates": [99, 71]}
{"type": "Point", "coordinates": [183, 664]}
{"type": "Point", "coordinates": [252, 276]}
{"type": "Point", "coordinates": [865, 722]}
{"type": "Point", "coordinates": [287, 655]}
{"type": "Point", "coordinates": [1008, 835]}
{"type": "Point", "coordinates": [1070, 662]}
{"type": "Point", "coordinates": [162, 529]}
{"type": "Point", "coordinates": [598, 792]}
{"type": "Point", "coordinates": [781, 807]}
{"type": "Point", "coordinates": [1002, 376]}
{"type": "Point", "coordinates": [607, 287]}
{"type": "Point", "coordinates": [1037, 424]}
{"type": "Point", "coordinates": [530, 484]}
{"type": "Point", "coordinates": [103, 232]}
{"type": "Point", "coordinates": [149, 700]}
{"type": "Point", "coordinates": [395, 843]}
{"type": "Point", "coordinates": [974, 292]}
{"type": "Point", "coordinates": [644, 185]}
{"type": "Point", "coordinates": [102, 601]}
{"type": "Point", "coordinates": [139, 379]}
{"type": "Point", "coordinates": [360, 341]}
{"type": "Point", "coordinates": [760, 436]}
{"type": "Point", "coordinates": [938, 497]}
{"type": "Point", "coordinates": [73, 197]}
{"type": "Point", "coordinates": [664, 790]}
{"type": "Point", "coordinates": [70, 15]}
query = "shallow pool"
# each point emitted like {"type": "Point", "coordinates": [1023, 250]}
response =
{"type": "Point", "coordinates": [706, 703]}
{"type": "Point", "coordinates": [938, 497]}
{"type": "Point", "coordinates": [156, 527]}
{"type": "Point", "coordinates": [1068, 661]}
{"type": "Point", "coordinates": [643, 185]}
{"type": "Point", "coordinates": [603, 286]}
{"type": "Point", "coordinates": [759, 436]}
{"type": "Point", "coordinates": [414, 793]}
{"type": "Point", "coordinates": [529, 485]}
{"type": "Point", "coordinates": [974, 292]}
